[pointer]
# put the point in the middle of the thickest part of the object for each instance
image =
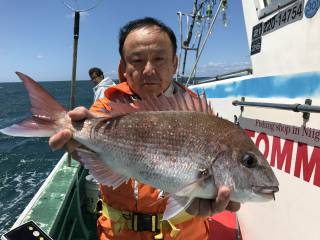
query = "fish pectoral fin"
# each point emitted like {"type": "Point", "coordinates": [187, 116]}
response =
{"type": "Point", "coordinates": [175, 205]}
{"type": "Point", "coordinates": [181, 199]}
{"type": "Point", "coordinates": [189, 188]}
{"type": "Point", "coordinates": [99, 170]}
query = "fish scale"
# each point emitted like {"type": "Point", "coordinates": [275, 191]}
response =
{"type": "Point", "coordinates": [168, 162]}
{"type": "Point", "coordinates": [146, 150]}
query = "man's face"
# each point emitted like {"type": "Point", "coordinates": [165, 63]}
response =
{"type": "Point", "coordinates": [149, 61]}
{"type": "Point", "coordinates": [95, 78]}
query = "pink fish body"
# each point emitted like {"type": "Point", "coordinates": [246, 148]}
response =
{"type": "Point", "coordinates": [176, 144]}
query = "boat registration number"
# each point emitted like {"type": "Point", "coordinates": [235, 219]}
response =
{"type": "Point", "coordinates": [287, 16]}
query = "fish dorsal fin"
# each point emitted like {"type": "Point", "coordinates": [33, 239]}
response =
{"type": "Point", "coordinates": [183, 102]}
{"type": "Point", "coordinates": [119, 109]}
{"type": "Point", "coordinates": [177, 102]}
{"type": "Point", "coordinates": [99, 170]}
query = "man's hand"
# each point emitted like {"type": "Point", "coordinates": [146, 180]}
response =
{"type": "Point", "coordinates": [209, 207]}
{"type": "Point", "coordinates": [63, 138]}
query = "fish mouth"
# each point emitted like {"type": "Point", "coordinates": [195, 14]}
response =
{"type": "Point", "coordinates": [266, 191]}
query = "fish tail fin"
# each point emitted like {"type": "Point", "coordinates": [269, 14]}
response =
{"type": "Point", "coordinates": [46, 113]}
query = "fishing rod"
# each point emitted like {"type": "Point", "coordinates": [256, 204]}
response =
{"type": "Point", "coordinates": [200, 22]}
{"type": "Point", "coordinates": [221, 5]}
{"type": "Point", "coordinates": [196, 17]}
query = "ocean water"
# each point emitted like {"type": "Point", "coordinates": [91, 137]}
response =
{"type": "Point", "coordinates": [26, 162]}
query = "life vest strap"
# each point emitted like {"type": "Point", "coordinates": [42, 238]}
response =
{"type": "Point", "coordinates": [131, 220]}
{"type": "Point", "coordinates": [140, 221]}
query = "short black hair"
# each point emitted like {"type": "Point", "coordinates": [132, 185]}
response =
{"type": "Point", "coordinates": [96, 70]}
{"type": "Point", "coordinates": [145, 22]}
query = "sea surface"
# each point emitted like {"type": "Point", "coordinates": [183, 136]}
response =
{"type": "Point", "coordinates": [26, 162]}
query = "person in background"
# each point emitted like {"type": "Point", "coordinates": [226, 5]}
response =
{"type": "Point", "coordinates": [101, 83]}
{"type": "Point", "coordinates": [132, 211]}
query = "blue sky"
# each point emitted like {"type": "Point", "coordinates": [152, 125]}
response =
{"type": "Point", "coordinates": [36, 37]}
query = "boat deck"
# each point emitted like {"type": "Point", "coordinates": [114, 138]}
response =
{"type": "Point", "coordinates": [59, 206]}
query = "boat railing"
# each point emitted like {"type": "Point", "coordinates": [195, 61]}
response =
{"type": "Point", "coordinates": [224, 76]}
{"type": "Point", "coordinates": [296, 107]}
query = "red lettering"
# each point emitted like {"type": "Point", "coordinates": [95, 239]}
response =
{"type": "Point", "coordinates": [308, 167]}
{"type": "Point", "coordinates": [250, 133]}
{"type": "Point", "coordinates": [264, 137]}
{"type": "Point", "coordinates": [282, 156]}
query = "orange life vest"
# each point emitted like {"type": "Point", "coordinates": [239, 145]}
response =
{"type": "Point", "coordinates": [125, 199]}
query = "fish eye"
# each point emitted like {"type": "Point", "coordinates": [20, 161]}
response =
{"type": "Point", "coordinates": [249, 161]}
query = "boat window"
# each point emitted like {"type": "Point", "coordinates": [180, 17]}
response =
{"type": "Point", "coordinates": [267, 7]}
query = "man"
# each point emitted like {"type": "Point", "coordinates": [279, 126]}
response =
{"type": "Point", "coordinates": [101, 83]}
{"type": "Point", "coordinates": [148, 63]}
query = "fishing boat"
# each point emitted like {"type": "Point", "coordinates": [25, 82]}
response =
{"type": "Point", "coordinates": [276, 102]}
{"type": "Point", "coordinates": [278, 105]}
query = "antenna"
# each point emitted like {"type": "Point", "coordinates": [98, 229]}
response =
{"type": "Point", "coordinates": [77, 10]}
